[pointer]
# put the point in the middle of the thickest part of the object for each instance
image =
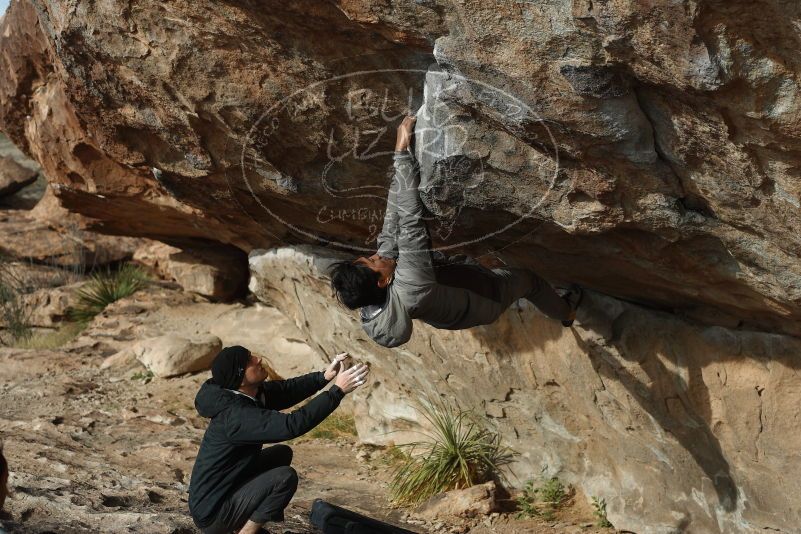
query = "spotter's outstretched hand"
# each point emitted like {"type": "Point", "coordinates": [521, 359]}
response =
{"type": "Point", "coordinates": [336, 365]}
{"type": "Point", "coordinates": [352, 378]}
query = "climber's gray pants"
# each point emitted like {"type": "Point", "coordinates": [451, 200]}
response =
{"type": "Point", "coordinates": [493, 291]}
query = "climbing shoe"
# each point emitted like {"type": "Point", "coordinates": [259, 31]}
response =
{"type": "Point", "coordinates": [573, 297]}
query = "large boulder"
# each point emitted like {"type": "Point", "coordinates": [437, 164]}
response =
{"type": "Point", "coordinates": [475, 501]}
{"type": "Point", "coordinates": [14, 176]}
{"type": "Point", "coordinates": [596, 142]}
{"type": "Point", "coordinates": [24, 237]}
{"type": "Point", "coordinates": [675, 424]}
{"type": "Point", "coordinates": [220, 272]}
{"type": "Point", "coordinates": [173, 355]}
{"type": "Point", "coordinates": [270, 334]}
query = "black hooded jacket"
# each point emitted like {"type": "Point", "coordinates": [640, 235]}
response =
{"type": "Point", "coordinates": [238, 428]}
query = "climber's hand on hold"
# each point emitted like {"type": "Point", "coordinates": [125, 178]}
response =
{"type": "Point", "coordinates": [491, 262]}
{"type": "Point", "coordinates": [405, 133]}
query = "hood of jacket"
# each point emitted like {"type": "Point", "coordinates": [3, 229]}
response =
{"type": "Point", "coordinates": [212, 399]}
{"type": "Point", "coordinates": [392, 326]}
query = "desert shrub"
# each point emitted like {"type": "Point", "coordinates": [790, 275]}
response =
{"type": "Point", "coordinates": [145, 376]}
{"type": "Point", "coordinates": [106, 287]}
{"type": "Point", "coordinates": [52, 340]}
{"type": "Point", "coordinates": [14, 315]}
{"type": "Point", "coordinates": [599, 511]}
{"type": "Point", "coordinates": [335, 426]}
{"type": "Point", "coordinates": [543, 500]}
{"type": "Point", "coordinates": [460, 452]}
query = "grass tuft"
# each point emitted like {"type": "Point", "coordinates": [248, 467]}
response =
{"type": "Point", "coordinates": [542, 501]}
{"type": "Point", "coordinates": [14, 315]}
{"type": "Point", "coordinates": [393, 457]}
{"type": "Point", "coordinates": [145, 376]}
{"type": "Point", "coordinates": [52, 340]}
{"type": "Point", "coordinates": [106, 287]}
{"type": "Point", "coordinates": [334, 426]}
{"type": "Point", "coordinates": [459, 453]}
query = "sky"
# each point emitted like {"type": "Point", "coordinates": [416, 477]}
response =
{"type": "Point", "coordinates": [3, 6]}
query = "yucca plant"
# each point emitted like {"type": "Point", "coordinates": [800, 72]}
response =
{"type": "Point", "coordinates": [106, 287]}
{"type": "Point", "coordinates": [14, 315]}
{"type": "Point", "coordinates": [460, 452]}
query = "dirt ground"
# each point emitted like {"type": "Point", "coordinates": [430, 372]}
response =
{"type": "Point", "coordinates": [94, 452]}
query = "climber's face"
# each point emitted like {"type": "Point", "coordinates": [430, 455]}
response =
{"type": "Point", "coordinates": [385, 267]}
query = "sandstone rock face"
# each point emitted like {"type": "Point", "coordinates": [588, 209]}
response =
{"type": "Point", "coordinates": [219, 273]}
{"type": "Point", "coordinates": [158, 311]}
{"type": "Point", "coordinates": [27, 238]}
{"type": "Point", "coordinates": [16, 170]}
{"type": "Point", "coordinates": [478, 500]}
{"type": "Point", "coordinates": [648, 151]}
{"type": "Point", "coordinates": [14, 176]}
{"type": "Point", "coordinates": [173, 355]}
{"type": "Point", "coordinates": [270, 334]}
{"type": "Point", "coordinates": [676, 425]}
{"type": "Point", "coordinates": [48, 307]}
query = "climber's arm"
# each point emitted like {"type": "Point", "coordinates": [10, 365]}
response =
{"type": "Point", "coordinates": [387, 239]}
{"type": "Point", "coordinates": [415, 267]}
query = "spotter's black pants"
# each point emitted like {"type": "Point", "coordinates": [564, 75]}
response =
{"type": "Point", "coordinates": [262, 497]}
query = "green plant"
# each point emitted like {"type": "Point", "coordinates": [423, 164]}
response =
{"type": "Point", "coordinates": [144, 376]}
{"type": "Point", "coordinates": [542, 501]}
{"type": "Point", "coordinates": [552, 491]}
{"type": "Point", "coordinates": [335, 426]}
{"type": "Point", "coordinates": [459, 453]}
{"type": "Point", "coordinates": [393, 456]}
{"type": "Point", "coordinates": [599, 511]}
{"type": "Point", "coordinates": [14, 315]}
{"type": "Point", "coordinates": [106, 287]}
{"type": "Point", "coordinates": [527, 501]}
{"type": "Point", "coordinates": [52, 340]}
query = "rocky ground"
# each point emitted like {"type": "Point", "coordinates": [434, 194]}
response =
{"type": "Point", "coordinates": [101, 451]}
{"type": "Point", "coordinates": [96, 443]}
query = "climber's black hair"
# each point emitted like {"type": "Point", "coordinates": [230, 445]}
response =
{"type": "Point", "coordinates": [356, 285]}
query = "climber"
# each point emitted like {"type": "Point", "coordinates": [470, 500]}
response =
{"type": "Point", "coordinates": [235, 483]}
{"type": "Point", "coordinates": [403, 280]}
